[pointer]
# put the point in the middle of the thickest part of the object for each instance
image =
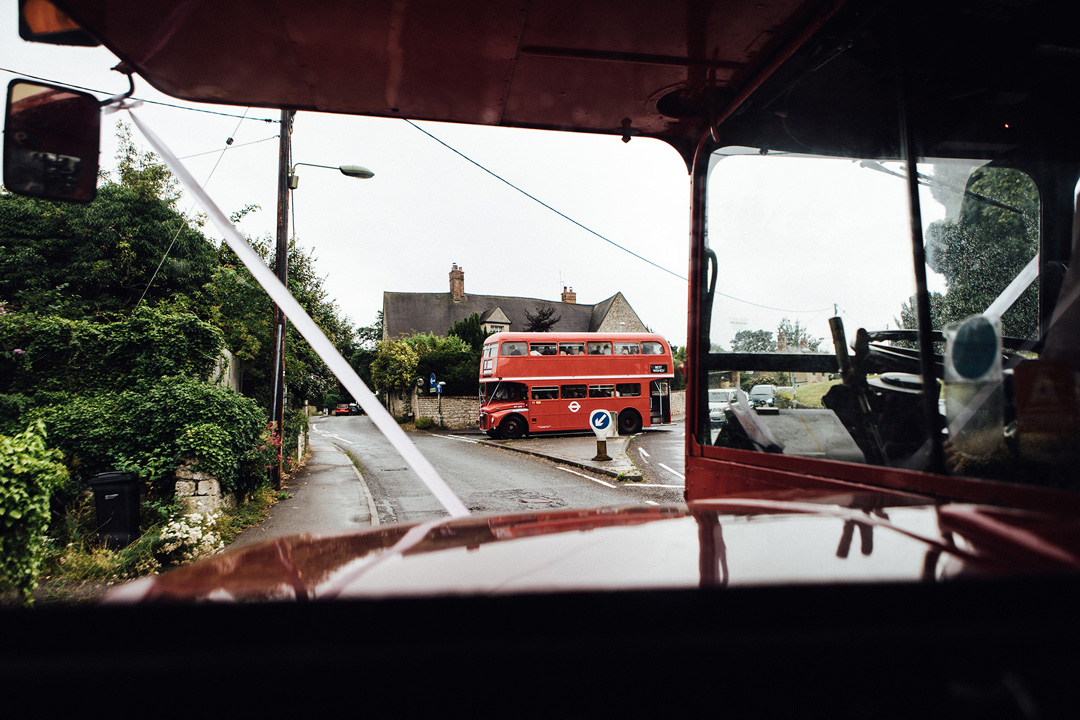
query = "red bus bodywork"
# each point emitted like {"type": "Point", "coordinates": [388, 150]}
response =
{"type": "Point", "coordinates": [551, 382]}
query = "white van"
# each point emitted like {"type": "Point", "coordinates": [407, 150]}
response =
{"type": "Point", "coordinates": [718, 401]}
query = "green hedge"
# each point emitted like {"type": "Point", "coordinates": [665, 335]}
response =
{"type": "Point", "coordinates": [147, 429]}
{"type": "Point", "coordinates": [29, 473]}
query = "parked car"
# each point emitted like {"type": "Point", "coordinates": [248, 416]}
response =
{"type": "Point", "coordinates": [762, 395]}
{"type": "Point", "coordinates": [342, 409]}
{"type": "Point", "coordinates": [719, 399]}
{"type": "Point", "coordinates": [355, 409]}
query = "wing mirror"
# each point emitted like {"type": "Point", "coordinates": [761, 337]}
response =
{"type": "Point", "coordinates": [52, 138]}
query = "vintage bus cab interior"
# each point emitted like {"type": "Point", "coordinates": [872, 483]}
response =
{"type": "Point", "coordinates": [884, 228]}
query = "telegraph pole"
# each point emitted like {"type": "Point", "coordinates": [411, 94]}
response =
{"type": "Point", "coordinates": [277, 413]}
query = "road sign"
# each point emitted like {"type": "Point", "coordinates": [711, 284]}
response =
{"type": "Point", "coordinates": [431, 381]}
{"type": "Point", "coordinates": [600, 422]}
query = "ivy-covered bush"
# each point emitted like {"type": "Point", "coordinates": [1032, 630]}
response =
{"type": "Point", "coordinates": [29, 472]}
{"type": "Point", "coordinates": [146, 429]}
{"type": "Point", "coordinates": [53, 353]}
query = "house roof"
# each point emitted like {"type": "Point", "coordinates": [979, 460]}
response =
{"type": "Point", "coordinates": [405, 312]}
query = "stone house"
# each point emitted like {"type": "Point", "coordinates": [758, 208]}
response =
{"type": "Point", "coordinates": [436, 313]}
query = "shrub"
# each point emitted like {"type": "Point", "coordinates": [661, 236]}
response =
{"type": "Point", "coordinates": [424, 423]}
{"type": "Point", "coordinates": [28, 474]}
{"type": "Point", "coordinates": [146, 430]}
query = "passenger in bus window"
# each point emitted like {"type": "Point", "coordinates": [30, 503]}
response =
{"type": "Point", "coordinates": [652, 348]}
{"type": "Point", "coordinates": [573, 391]}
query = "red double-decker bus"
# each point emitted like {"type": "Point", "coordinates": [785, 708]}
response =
{"type": "Point", "coordinates": [551, 382]}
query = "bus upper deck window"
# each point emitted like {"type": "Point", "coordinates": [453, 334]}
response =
{"type": "Point", "coordinates": [571, 348]}
{"type": "Point", "coordinates": [652, 348]}
{"type": "Point", "coordinates": [599, 348]}
{"type": "Point", "coordinates": [541, 348]}
{"type": "Point", "coordinates": [625, 348]}
{"type": "Point", "coordinates": [513, 348]}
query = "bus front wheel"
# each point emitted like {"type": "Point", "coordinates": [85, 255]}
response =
{"type": "Point", "coordinates": [629, 422]}
{"type": "Point", "coordinates": [512, 427]}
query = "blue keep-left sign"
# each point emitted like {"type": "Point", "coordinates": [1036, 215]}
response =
{"type": "Point", "coordinates": [431, 381]}
{"type": "Point", "coordinates": [599, 420]}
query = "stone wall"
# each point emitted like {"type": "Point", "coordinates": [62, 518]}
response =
{"type": "Point", "coordinates": [199, 492]}
{"type": "Point", "coordinates": [678, 403]}
{"type": "Point", "coordinates": [458, 413]}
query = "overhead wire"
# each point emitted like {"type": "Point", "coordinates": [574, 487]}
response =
{"type": "Point", "coordinates": [544, 204]}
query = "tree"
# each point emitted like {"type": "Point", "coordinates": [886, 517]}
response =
{"type": "Point", "coordinates": [796, 338]}
{"type": "Point", "coordinates": [542, 321]}
{"type": "Point", "coordinates": [979, 253]}
{"type": "Point", "coordinates": [753, 341]}
{"type": "Point", "coordinates": [397, 364]}
{"type": "Point", "coordinates": [470, 331]}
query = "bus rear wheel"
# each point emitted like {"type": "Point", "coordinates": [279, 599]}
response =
{"type": "Point", "coordinates": [512, 427]}
{"type": "Point", "coordinates": [629, 422]}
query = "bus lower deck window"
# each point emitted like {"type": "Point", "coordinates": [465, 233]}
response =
{"type": "Point", "coordinates": [573, 391]}
{"type": "Point", "coordinates": [628, 390]}
{"type": "Point", "coordinates": [545, 393]}
{"type": "Point", "coordinates": [601, 391]}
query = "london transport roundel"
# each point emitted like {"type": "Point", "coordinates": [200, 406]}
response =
{"type": "Point", "coordinates": [574, 406]}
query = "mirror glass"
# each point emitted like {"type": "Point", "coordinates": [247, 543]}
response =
{"type": "Point", "coordinates": [51, 139]}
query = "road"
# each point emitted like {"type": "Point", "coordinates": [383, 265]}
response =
{"type": "Point", "coordinates": [659, 454]}
{"type": "Point", "coordinates": [493, 480]}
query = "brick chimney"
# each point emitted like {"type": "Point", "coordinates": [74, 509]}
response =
{"type": "Point", "coordinates": [568, 295]}
{"type": "Point", "coordinates": [457, 283]}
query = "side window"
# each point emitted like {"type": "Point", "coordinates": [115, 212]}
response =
{"type": "Point", "coordinates": [599, 348]}
{"type": "Point", "coordinates": [601, 391]}
{"type": "Point", "coordinates": [545, 393]}
{"type": "Point", "coordinates": [571, 348]}
{"type": "Point", "coordinates": [626, 348]}
{"type": "Point", "coordinates": [628, 389]}
{"type": "Point", "coordinates": [573, 391]}
{"type": "Point", "coordinates": [512, 348]}
{"type": "Point", "coordinates": [652, 348]}
{"type": "Point", "coordinates": [541, 348]}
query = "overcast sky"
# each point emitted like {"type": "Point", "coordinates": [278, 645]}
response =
{"type": "Point", "coordinates": [427, 207]}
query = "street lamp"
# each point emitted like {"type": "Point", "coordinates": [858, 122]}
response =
{"type": "Point", "coordinates": [288, 180]}
{"type": "Point", "coordinates": [353, 171]}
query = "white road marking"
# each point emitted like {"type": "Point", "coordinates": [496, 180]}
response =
{"type": "Point", "coordinates": [672, 471]}
{"type": "Point", "coordinates": [331, 435]}
{"type": "Point", "coordinates": [652, 485]}
{"type": "Point", "coordinates": [643, 453]}
{"type": "Point", "coordinates": [587, 477]}
{"type": "Point", "coordinates": [456, 437]}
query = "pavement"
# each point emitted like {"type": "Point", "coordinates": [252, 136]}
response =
{"type": "Point", "coordinates": [324, 495]}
